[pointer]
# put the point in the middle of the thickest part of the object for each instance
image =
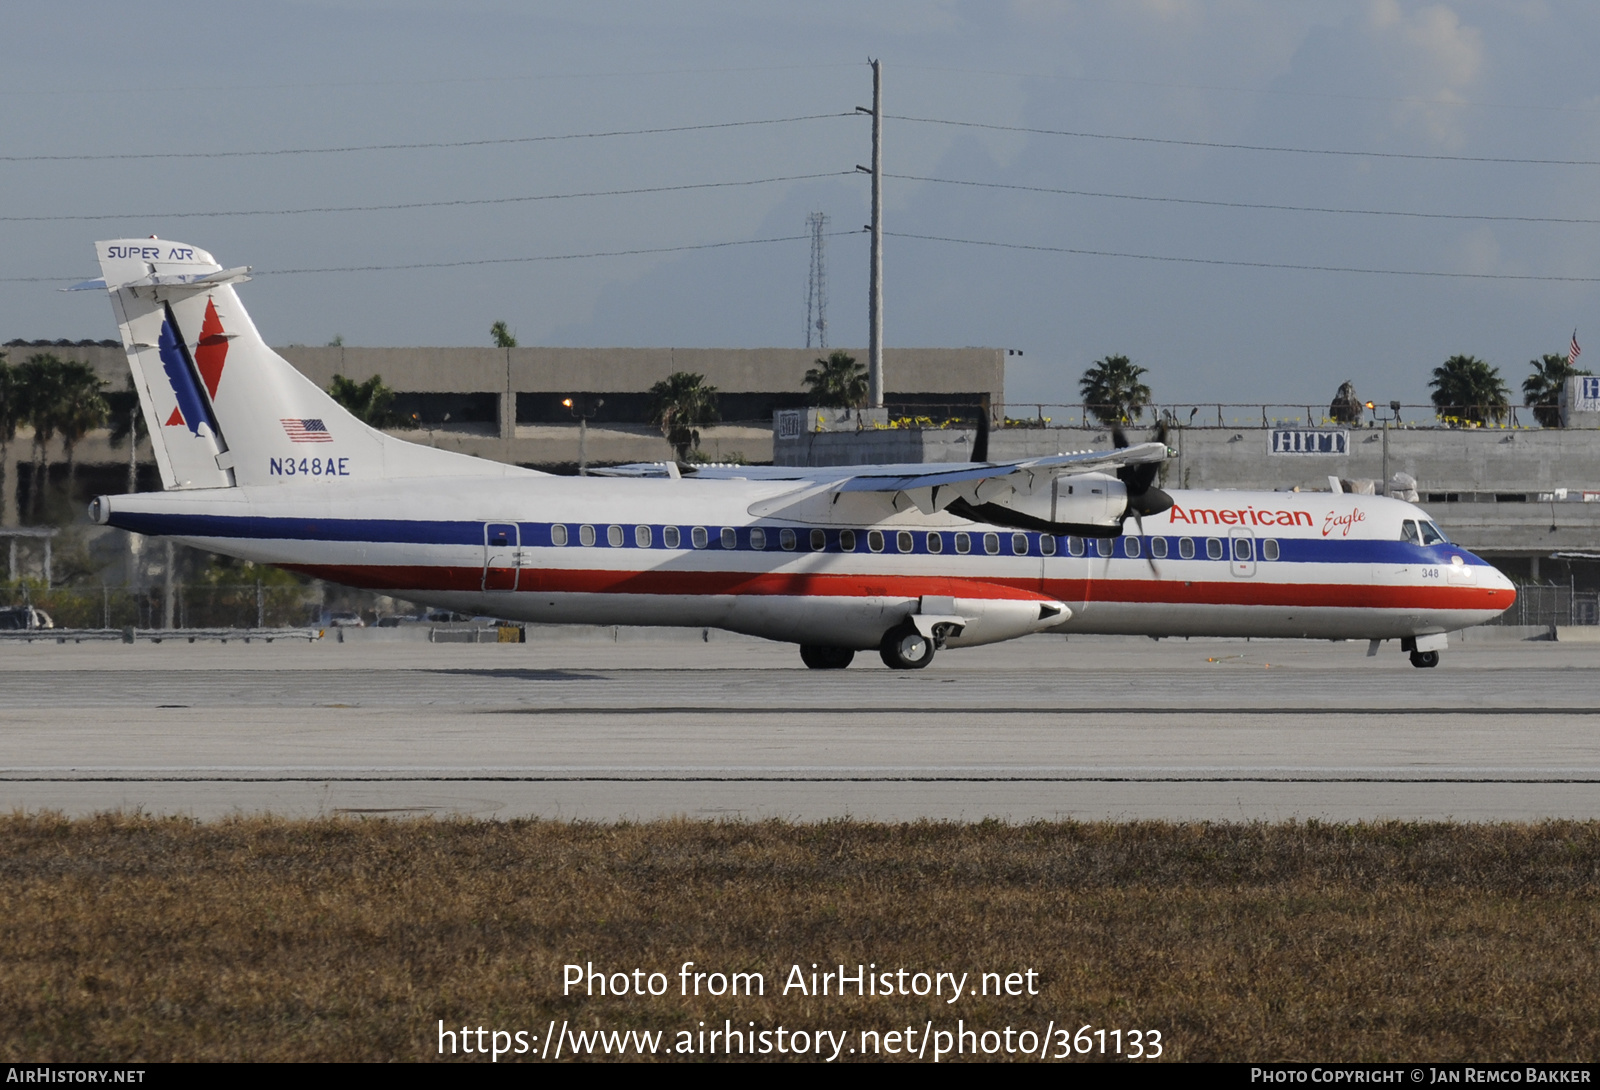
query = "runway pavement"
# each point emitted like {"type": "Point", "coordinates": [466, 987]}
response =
{"type": "Point", "coordinates": [1090, 728]}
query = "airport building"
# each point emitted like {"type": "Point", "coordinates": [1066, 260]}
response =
{"type": "Point", "coordinates": [507, 403]}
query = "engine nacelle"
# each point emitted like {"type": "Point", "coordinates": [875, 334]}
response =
{"type": "Point", "coordinates": [1085, 504]}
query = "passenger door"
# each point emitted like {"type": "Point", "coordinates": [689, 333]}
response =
{"type": "Point", "coordinates": [502, 555]}
{"type": "Point", "coordinates": [1242, 551]}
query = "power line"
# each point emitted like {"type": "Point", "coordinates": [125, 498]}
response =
{"type": "Point", "coordinates": [427, 204]}
{"type": "Point", "coordinates": [1248, 264]}
{"type": "Point", "coordinates": [235, 87]}
{"type": "Point", "coordinates": [481, 261]}
{"type": "Point", "coordinates": [1246, 204]}
{"type": "Point", "coordinates": [1252, 147]}
{"type": "Point", "coordinates": [1410, 100]}
{"type": "Point", "coordinates": [412, 147]}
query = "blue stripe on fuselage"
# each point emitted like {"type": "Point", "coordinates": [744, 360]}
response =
{"type": "Point", "coordinates": [537, 535]}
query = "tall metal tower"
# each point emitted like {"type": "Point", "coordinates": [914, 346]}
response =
{"type": "Point", "coordinates": [817, 284]}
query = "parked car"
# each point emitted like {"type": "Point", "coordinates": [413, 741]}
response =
{"type": "Point", "coordinates": [345, 618]}
{"type": "Point", "coordinates": [21, 618]}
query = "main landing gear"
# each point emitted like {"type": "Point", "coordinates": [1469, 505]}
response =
{"type": "Point", "coordinates": [1424, 659]}
{"type": "Point", "coordinates": [826, 658]}
{"type": "Point", "coordinates": [904, 648]}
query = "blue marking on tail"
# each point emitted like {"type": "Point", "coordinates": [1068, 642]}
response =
{"type": "Point", "coordinates": [183, 384]}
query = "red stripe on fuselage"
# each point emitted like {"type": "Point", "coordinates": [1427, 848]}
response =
{"type": "Point", "coordinates": [1238, 592]}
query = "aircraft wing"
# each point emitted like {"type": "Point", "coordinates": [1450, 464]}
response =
{"type": "Point", "coordinates": [931, 488]}
{"type": "Point", "coordinates": [896, 479]}
{"type": "Point", "coordinates": [903, 477]}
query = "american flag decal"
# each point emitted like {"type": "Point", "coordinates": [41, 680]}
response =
{"type": "Point", "coordinates": [309, 430]}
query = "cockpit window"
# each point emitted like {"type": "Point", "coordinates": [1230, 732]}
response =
{"type": "Point", "coordinates": [1431, 534]}
{"type": "Point", "coordinates": [1408, 532]}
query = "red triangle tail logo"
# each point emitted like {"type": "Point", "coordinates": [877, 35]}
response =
{"type": "Point", "coordinates": [212, 350]}
{"type": "Point", "coordinates": [176, 419]}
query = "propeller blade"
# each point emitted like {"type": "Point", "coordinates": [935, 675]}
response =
{"type": "Point", "coordinates": [980, 440]}
{"type": "Point", "coordinates": [1149, 501]}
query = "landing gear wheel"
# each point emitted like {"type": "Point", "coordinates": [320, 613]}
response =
{"type": "Point", "coordinates": [904, 648]}
{"type": "Point", "coordinates": [826, 658]}
{"type": "Point", "coordinates": [1424, 659]}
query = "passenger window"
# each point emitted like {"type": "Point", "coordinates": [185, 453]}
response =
{"type": "Point", "coordinates": [1241, 548]}
{"type": "Point", "coordinates": [1431, 534]}
{"type": "Point", "coordinates": [758, 538]}
{"type": "Point", "coordinates": [936, 543]}
{"type": "Point", "coordinates": [1102, 546]}
{"type": "Point", "coordinates": [1019, 544]}
{"type": "Point", "coordinates": [1269, 549]}
{"type": "Point", "coordinates": [698, 536]}
{"type": "Point", "coordinates": [903, 542]}
{"type": "Point", "coordinates": [1158, 548]}
{"type": "Point", "coordinates": [641, 536]}
{"type": "Point", "coordinates": [1075, 546]}
{"type": "Point", "coordinates": [670, 537]}
{"type": "Point", "coordinates": [847, 540]}
{"type": "Point", "coordinates": [1214, 548]}
{"type": "Point", "coordinates": [819, 540]}
{"type": "Point", "coordinates": [991, 544]}
{"type": "Point", "coordinates": [963, 543]}
{"type": "Point", "coordinates": [730, 538]}
{"type": "Point", "coordinates": [1130, 546]}
{"type": "Point", "coordinates": [614, 536]}
{"type": "Point", "coordinates": [786, 539]}
{"type": "Point", "coordinates": [558, 534]}
{"type": "Point", "coordinates": [1408, 532]}
{"type": "Point", "coordinates": [1186, 548]}
{"type": "Point", "coordinates": [586, 535]}
{"type": "Point", "coordinates": [875, 540]}
{"type": "Point", "coordinates": [1047, 544]}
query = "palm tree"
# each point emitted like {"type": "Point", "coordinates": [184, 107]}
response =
{"type": "Point", "coordinates": [370, 402]}
{"type": "Point", "coordinates": [81, 409]}
{"type": "Point", "coordinates": [679, 405]}
{"type": "Point", "coordinates": [1113, 391]}
{"type": "Point", "coordinates": [1346, 406]}
{"type": "Point", "coordinates": [1542, 389]}
{"type": "Point", "coordinates": [39, 395]}
{"type": "Point", "coordinates": [502, 335]}
{"type": "Point", "coordinates": [127, 422]}
{"type": "Point", "coordinates": [838, 382]}
{"type": "Point", "coordinates": [1470, 390]}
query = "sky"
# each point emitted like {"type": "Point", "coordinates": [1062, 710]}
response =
{"type": "Point", "coordinates": [1068, 179]}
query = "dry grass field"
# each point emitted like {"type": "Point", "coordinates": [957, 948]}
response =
{"type": "Point", "coordinates": [131, 938]}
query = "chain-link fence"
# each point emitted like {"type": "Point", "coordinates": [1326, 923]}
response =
{"type": "Point", "coordinates": [1552, 604]}
{"type": "Point", "coordinates": [194, 605]}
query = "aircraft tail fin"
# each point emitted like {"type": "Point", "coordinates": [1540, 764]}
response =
{"type": "Point", "coordinates": [223, 408]}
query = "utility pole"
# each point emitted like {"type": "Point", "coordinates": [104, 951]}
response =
{"type": "Point", "coordinates": [583, 410]}
{"type": "Point", "coordinates": [875, 288]}
{"type": "Point", "coordinates": [817, 283]}
{"type": "Point", "coordinates": [167, 599]}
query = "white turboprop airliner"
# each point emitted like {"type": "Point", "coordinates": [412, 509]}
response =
{"type": "Point", "coordinates": [259, 463]}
